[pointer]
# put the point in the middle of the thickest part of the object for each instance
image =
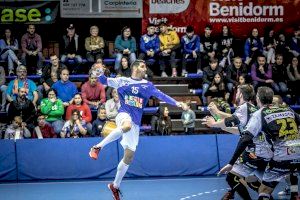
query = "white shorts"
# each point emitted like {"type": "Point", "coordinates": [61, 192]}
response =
{"type": "Point", "coordinates": [130, 139]}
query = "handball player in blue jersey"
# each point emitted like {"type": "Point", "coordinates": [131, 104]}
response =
{"type": "Point", "coordinates": [134, 93]}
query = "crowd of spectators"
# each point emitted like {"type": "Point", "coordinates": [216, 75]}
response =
{"type": "Point", "coordinates": [57, 107]}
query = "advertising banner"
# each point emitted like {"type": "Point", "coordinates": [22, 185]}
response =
{"type": "Point", "coordinates": [101, 8]}
{"type": "Point", "coordinates": [33, 12]}
{"type": "Point", "coordinates": [240, 15]}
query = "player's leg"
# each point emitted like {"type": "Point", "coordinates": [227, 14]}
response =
{"type": "Point", "coordinates": [124, 124]}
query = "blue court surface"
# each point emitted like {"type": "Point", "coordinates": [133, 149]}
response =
{"type": "Point", "coordinates": [205, 188]}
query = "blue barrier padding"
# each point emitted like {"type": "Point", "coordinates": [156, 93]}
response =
{"type": "Point", "coordinates": [194, 75]}
{"type": "Point", "coordinates": [226, 146]}
{"type": "Point", "coordinates": [197, 91]}
{"type": "Point", "coordinates": [150, 110]}
{"type": "Point", "coordinates": [174, 156]}
{"type": "Point", "coordinates": [8, 170]}
{"type": "Point", "coordinates": [64, 159]}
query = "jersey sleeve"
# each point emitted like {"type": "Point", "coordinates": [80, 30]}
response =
{"type": "Point", "coordinates": [112, 82]}
{"type": "Point", "coordinates": [254, 125]}
{"type": "Point", "coordinates": [161, 96]}
{"type": "Point", "coordinates": [241, 115]}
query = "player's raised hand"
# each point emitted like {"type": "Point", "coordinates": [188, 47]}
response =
{"type": "Point", "coordinates": [227, 168]}
{"type": "Point", "coordinates": [208, 121]}
{"type": "Point", "coordinates": [213, 109]}
{"type": "Point", "coordinates": [180, 104]}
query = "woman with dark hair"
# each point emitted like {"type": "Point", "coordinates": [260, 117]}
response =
{"type": "Point", "coordinates": [124, 69]}
{"type": "Point", "coordinates": [125, 45]}
{"type": "Point", "coordinates": [164, 124]}
{"type": "Point", "coordinates": [217, 88]}
{"type": "Point", "coordinates": [269, 43]}
{"type": "Point", "coordinates": [53, 109]}
{"type": "Point", "coordinates": [293, 70]}
{"type": "Point", "coordinates": [8, 48]}
{"type": "Point", "coordinates": [253, 47]}
{"type": "Point", "coordinates": [75, 127]}
{"type": "Point", "coordinates": [84, 110]}
{"type": "Point", "coordinates": [226, 42]}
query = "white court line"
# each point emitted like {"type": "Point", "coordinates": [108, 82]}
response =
{"type": "Point", "coordinates": [103, 181]}
{"type": "Point", "coordinates": [202, 193]}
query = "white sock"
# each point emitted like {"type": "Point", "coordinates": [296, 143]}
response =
{"type": "Point", "coordinates": [121, 171]}
{"type": "Point", "coordinates": [114, 135]}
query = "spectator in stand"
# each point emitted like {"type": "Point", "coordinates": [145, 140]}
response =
{"type": "Point", "coordinates": [22, 107]}
{"type": "Point", "coordinates": [3, 88]}
{"type": "Point", "coordinates": [233, 72]}
{"type": "Point", "coordinates": [149, 44]}
{"type": "Point", "coordinates": [282, 47]}
{"type": "Point", "coordinates": [208, 76]}
{"type": "Point", "coordinates": [191, 50]}
{"type": "Point", "coordinates": [188, 117]}
{"type": "Point", "coordinates": [48, 78]}
{"type": "Point", "coordinates": [75, 127]}
{"type": "Point", "coordinates": [293, 70]}
{"type": "Point", "coordinates": [112, 105]}
{"type": "Point", "coordinates": [52, 109]}
{"type": "Point", "coordinates": [169, 44]}
{"type": "Point", "coordinates": [279, 75]}
{"type": "Point", "coordinates": [269, 44]}
{"type": "Point", "coordinates": [65, 88]}
{"type": "Point", "coordinates": [31, 44]}
{"type": "Point", "coordinates": [261, 73]}
{"type": "Point", "coordinates": [225, 47]}
{"type": "Point", "coordinates": [253, 47]}
{"type": "Point", "coordinates": [217, 89]}
{"type": "Point", "coordinates": [208, 46]}
{"type": "Point", "coordinates": [124, 70]}
{"type": "Point", "coordinates": [17, 130]}
{"type": "Point", "coordinates": [94, 45]}
{"type": "Point", "coordinates": [295, 43]}
{"type": "Point", "coordinates": [93, 92]}
{"type": "Point", "coordinates": [71, 48]}
{"type": "Point", "coordinates": [22, 82]}
{"type": "Point", "coordinates": [43, 129]}
{"type": "Point", "coordinates": [98, 67]}
{"type": "Point", "coordinates": [164, 123]}
{"type": "Point", "coordinates": [83, 108]}
{"type": "Point", "coordinates": [9, 47]}
{"type": "Point", "coordinates": [125, 45]}
{"type": "Point", "coordinates": [98, 123]}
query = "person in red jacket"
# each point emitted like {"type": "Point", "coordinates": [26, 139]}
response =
{"type": "Point", "coordinates": [84, 109]}
{"type": "Point", "coordinates": [43, 129]}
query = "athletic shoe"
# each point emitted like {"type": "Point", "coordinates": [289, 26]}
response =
{"type": "Point", "coordinates": [228, 195]}
{"type": "Point", "coordinates": [285, 192]}
{"type": "Point", "coordinates": [94, 151]}
{"type": "Point", "coordinates": [39, 72]}
{"type": "Point", "coordinates": [115, 191]}
{"type": "Point", "coordinates": [164, 74]}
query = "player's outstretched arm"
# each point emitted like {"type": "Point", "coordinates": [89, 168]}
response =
{"type": "Point", "coordinates": [163, 97]}
{"type": "Point", "coordinates": [112, 82]}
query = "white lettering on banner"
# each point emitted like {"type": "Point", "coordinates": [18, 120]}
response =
{"type": "Point", "coordinates": [168, 6]}
{"type": "Point", "coordinates": [215, 9]}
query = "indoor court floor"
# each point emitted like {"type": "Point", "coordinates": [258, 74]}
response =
{"type": "Point", "coordinates": [195, 188]}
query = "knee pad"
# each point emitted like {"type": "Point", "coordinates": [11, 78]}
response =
{"type": "Point", "coordinates": [233, 180]}
{"type": "Point", "coordinates": [272, 184]}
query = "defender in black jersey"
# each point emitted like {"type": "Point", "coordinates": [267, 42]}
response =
{"type": "Point", "coordinates": [280, 127]}
{"type": "Point", "coordinates": [249, 163]}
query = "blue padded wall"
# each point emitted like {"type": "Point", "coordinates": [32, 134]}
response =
{"type": "Point", "coordinates": [174, 156]}
{"type": "Point", "coordinates": [64, 159]}
{"type": "Point", "coordinates": [226, 147]}
{"type": "Point", "coordinates": [8, 170]}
